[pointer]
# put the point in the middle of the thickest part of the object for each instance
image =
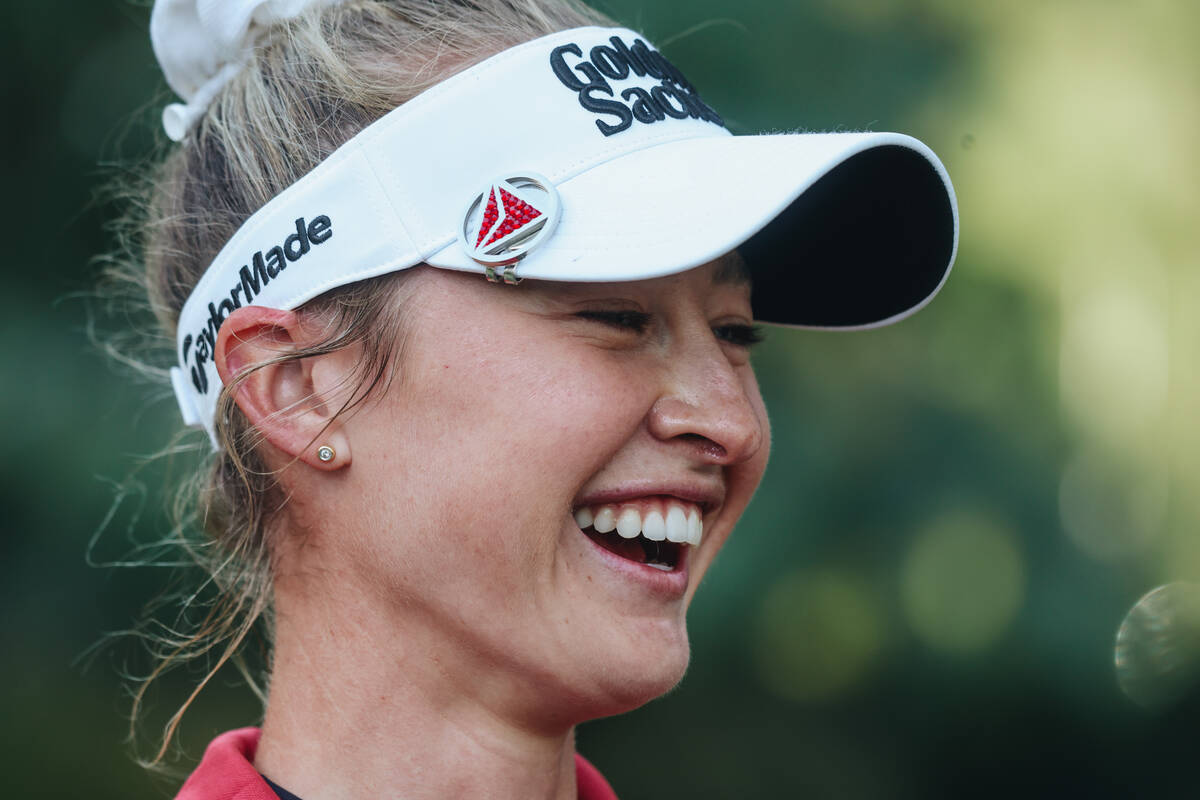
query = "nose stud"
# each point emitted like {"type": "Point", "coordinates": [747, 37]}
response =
{"type": "Point", "coordinates": [325, 453]}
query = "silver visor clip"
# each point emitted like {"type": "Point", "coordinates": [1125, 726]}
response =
{"type": "Point", "coordinates": [508, 219]}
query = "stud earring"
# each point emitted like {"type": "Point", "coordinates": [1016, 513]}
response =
{"type": "Point", "coordinates": [325, 453]}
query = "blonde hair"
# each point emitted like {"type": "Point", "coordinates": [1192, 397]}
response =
{"type": "Point", "coordinates": [308, 87]}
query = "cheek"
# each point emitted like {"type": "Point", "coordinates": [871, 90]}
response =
{"type": "Point", "coordinates": [764, 453]}
{"type": "Point", "coordinates": [551, 418]}
{"type": "Point", "coordinates": [742, 481]}
{"type": "Point", "coordinates": [751, 471]}
{"type": "Point", "coordinates": [490, 448]}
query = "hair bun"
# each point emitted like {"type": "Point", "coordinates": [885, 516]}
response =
{"type": "Point", "coordinates": [201, 44]}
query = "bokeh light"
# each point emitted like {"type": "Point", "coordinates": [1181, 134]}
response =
{"type": "Point", "coordinates": [1158, 645]}
{"type": "Point", "coordinates": [961, 582]}
{"type": "Point", "coordinates": [817, 634]}
{"type": "Point", "coordinates": [1111, 508]}
{"type": "Point", "coordinates": [1113, 372]}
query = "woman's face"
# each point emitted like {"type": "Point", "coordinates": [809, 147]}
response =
{"type": "Point", "coordinates": [523, 423]}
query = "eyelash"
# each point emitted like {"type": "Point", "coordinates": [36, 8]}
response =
{"type": "Point", "coordinates": [740, 335]}
{"type": "Point", "coordinates": [636, 321]}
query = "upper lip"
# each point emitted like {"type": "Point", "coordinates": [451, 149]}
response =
{"type": "Point", "coordinates": [708, 496]}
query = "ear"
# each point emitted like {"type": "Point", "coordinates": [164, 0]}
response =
{"type": "Point", "coordinates": [290, 403]}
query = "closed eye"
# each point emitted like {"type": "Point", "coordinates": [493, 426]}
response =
{"type": "Point", "coordinates": [740, 335]}
{"type": "Point", "coordinates": [626, 319]}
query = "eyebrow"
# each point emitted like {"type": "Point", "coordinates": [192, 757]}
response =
{"type": "Point", "coordinates": [732, 269]}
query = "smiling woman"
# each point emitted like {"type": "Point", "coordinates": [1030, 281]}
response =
{"type": "Point", "coordinates": [485, 505]}
{"type": "Point", "coordinates": [528, 618]}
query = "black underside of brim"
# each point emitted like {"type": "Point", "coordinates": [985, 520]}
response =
{"type": "Point", "coordinates": [869, 240]}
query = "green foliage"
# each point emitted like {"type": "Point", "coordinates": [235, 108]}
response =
{"type": "Point", "coordinates": [1053, 377]}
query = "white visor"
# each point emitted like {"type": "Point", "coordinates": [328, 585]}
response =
{"type": "Point", "coordinates": [599, 162]}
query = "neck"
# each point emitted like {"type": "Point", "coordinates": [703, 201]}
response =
{"type": "Point", "coordinates": [359, 709]}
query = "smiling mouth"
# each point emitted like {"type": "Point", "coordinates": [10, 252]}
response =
{"type": "Point", "coordinates": [655, 536]}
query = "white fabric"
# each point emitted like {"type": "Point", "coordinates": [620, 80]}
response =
{"type": "Point", "coordinates": [202, 44]}
{"type": "Point", "coordinates": [652, 199]}
{"type": "Point", "coordinates": [678, 217]}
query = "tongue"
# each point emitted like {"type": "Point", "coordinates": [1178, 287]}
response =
{"type": "Point", "coordinates": [630, 549]}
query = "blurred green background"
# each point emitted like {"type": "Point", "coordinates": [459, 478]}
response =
{"type": "Point", "coordinates": [961, 509]}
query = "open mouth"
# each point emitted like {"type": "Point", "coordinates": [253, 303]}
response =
{"type": "Point", "coordinates": [654, 534]}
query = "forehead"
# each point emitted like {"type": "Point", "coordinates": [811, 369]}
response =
{"type": "Point", "coordinates": [727, 272]}
{"type": "Point", "coordinates": [731, 269]}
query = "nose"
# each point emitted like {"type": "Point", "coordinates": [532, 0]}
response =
{"type": "Point", "coordinates": [708, 407]}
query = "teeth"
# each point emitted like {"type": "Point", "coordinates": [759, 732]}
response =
{"type": "Point", "coordinates": [583, 517]}
{"type": "Point", "coordinates": [677, 526]}
{"type": "Point", "coordinates": [605, 520]}
{"type": "Point", "coordinates": [654, 527]}
{"type": "Point", "coordinates": [680, 524]}
{"type": "Point", "coordinates": [629, 524]}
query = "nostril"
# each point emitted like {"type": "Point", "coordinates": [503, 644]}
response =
{"type": "Point", "coordinates": [723, 429]}
{"type": "Point", "coordinates": [707, 447]}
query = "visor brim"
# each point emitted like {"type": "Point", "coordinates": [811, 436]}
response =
{"type": "Point", "coordinates": [838, 230]}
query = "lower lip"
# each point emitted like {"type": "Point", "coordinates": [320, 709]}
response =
{"type": "Point", "coordinates": [658, 582]}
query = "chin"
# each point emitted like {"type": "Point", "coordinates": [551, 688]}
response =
{"type": "Point", "coordinates": [646, 667]}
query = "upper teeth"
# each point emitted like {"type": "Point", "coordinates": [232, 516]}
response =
{"type": "Point", "coordinates": [681, 523]}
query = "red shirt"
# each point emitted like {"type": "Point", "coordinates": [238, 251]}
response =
{"type": "Point", "coordinates": [227, 773]}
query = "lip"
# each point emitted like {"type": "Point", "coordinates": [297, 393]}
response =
{"type": "Point", "coordinates": [708, 497]}
{"type": "Point", "coordinates": [668, 585]}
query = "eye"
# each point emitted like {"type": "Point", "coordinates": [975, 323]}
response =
{"type": "Point", "coordinates": [739, 335]}
{"type": "Point", "coordinates": [626, 319]}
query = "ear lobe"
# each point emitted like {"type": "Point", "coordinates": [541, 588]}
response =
{"type": "Point", "coordinates": [280, 400]}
